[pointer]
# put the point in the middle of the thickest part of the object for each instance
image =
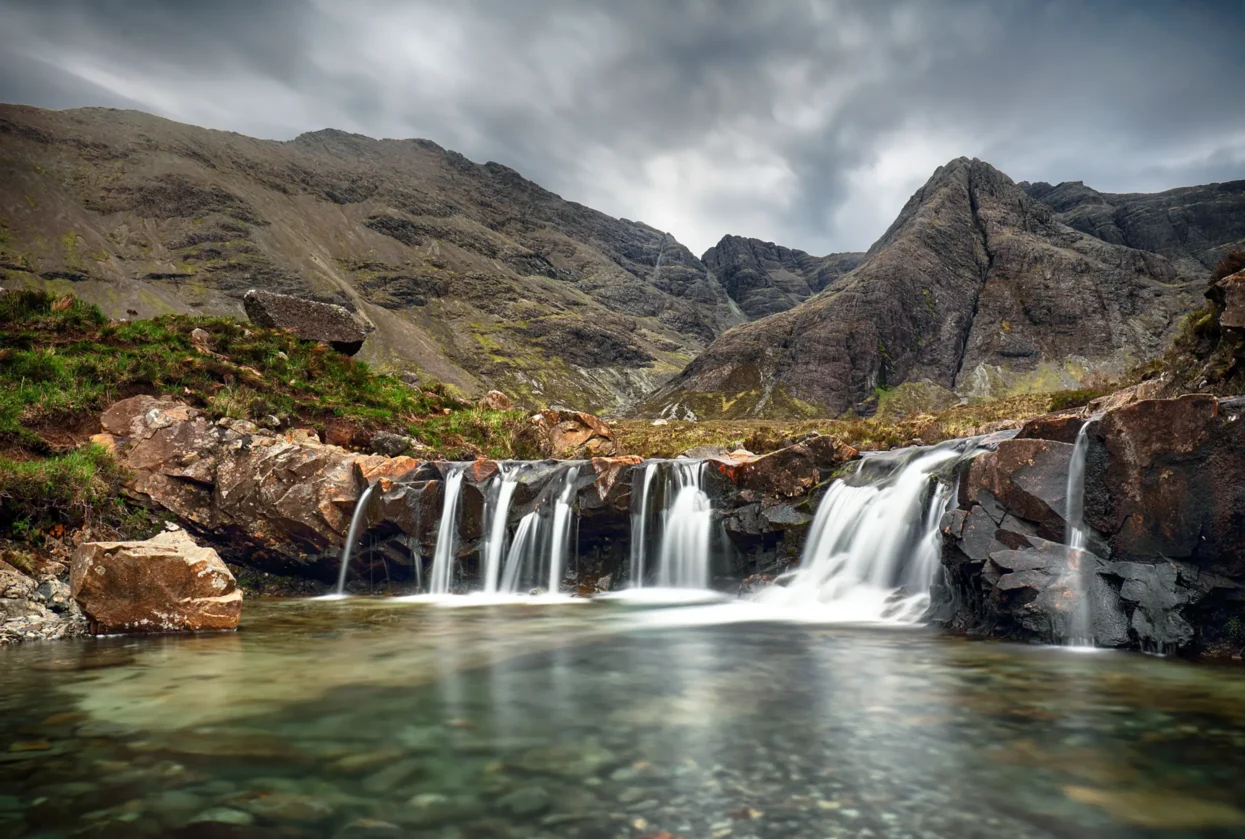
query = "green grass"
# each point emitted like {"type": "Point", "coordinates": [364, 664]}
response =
{"type": "Point", "coordinates": [62, 363]}
{"type": "Point", "coordinates": [57, 366]}
{"type": "Point", "coordinates": [67, 491]}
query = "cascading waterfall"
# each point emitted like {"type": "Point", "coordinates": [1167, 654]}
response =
{"type": "Point", "coordinates": [687, 528]}
{"type": "Point", "coordinates": [874, 547]}
{"type": "Point", "coordinates": [442, 576]}
{"type": "Point", "coordinates": [560, 538]}
{"type": "Point", "coordinates": [1080, 631]}
{"type": "Point", "coordinates": [493, 545]}
{"type": "Point", "coordinates": [544, 540]}
{"type": "Point", "coordinates": [352, 536]}
{"type": "Point", "coordinates": [641, 491]}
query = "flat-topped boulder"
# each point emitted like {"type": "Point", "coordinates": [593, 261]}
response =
{"type": "Point", "coordinates": [164, 584]}
{"type": "Point", "coordinates": [308, 319]}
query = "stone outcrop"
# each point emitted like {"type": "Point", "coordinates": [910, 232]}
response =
{"type": "Point", "coordinates": [976, 288]}
{"type": "Point", "coordinates": [495, 400]}
{"type": "Point", "coordinates": [1231, 291]}
{"type": "Point", "coordinates": [164, 584]}
{"type": "Point", "coordinates": [283, 502]}
{"type": "Point", "coordinates": [308, 319]}
{"type": "Point", "coordinates": [280, 500]}
{"type": "Point", "coordinates": [37, 605]}
{"type": "Point", "coordinates": [570, 435]}
{"type": "Point", "coordinates": [1164, 502]}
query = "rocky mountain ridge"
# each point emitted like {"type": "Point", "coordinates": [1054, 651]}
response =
{"type": "Point", "coordinates": [473, 275]}
{"type": "Point", "coordinates": [467, 272]}
{"type": "Point", "coordinates": [977, 289]}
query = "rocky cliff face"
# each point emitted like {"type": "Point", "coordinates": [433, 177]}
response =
{"type": "Point", "coordinates": [976, 287]}
{"type": "Point", "coordinates": [1191, 226]}
{"type": "Point", "coordinates": [467, 272]}
{"type": "Point", "coordinates": [1163, 567]}
{"type": "Point", "coordinates": [764, 278]}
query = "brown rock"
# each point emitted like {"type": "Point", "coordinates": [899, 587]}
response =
{"type": "Point", "coordinates": [1151, 389]}
{"type": "Point", "coordinates": [495, 400]}
{"type": "Point", "coordinates": [1169, 482]}
{"type": "Point", "coordinates": [164, 584]}
{"type": "Point", "coordinates": [1062, 427]}
{"type": "Point", "coordinates": [307, 319]}
{"type": "Point", "coordinates": [1232, 288]}
{"type": "Point", "coordinates": [571, 435]}
{"type": "Point", "coordinates": [787, 472]}
{"type": "Point", "coordinates": [1028, 477]}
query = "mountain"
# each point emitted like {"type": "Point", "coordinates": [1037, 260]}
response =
{"type": "Point", "coordinates": [1192, 226]}
{"type": "Point", "coordinates": [466, 271]}
{"type": "Point", "coordinates": [976, 288]}
{"type": "Point", "coordinates": [764, 279]}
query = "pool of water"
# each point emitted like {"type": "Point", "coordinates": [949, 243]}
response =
{"type": "Point", "coordinates": [366, 718]}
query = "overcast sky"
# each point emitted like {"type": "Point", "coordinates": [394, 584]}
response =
{"type": "Point", "coordinates": [806, 122]}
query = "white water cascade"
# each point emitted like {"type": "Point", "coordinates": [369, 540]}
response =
{"type": "Point", "coordinates": [1080, 630]}
{"type": "Point", "coordinates": [687, 528]}
{"type": "Point", "coordinates": [641, 493]}
{"type": "Point", "coordinates": [873, 550]}
{"type": "Point", "coordinates": [544, 540]}
{"type": "Point", "coordinates": [493, 545]}
{"type": "Point", "coordinates": [442, 576]}
{"type": "Point", "coordinates": [352, 536]}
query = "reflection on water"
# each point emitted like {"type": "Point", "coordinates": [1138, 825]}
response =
{"type": "Point", "coordinates": [366, 718]}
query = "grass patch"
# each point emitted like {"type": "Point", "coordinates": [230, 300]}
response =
{"type": "Point", "coordinates": [49, 496]}
{"type": "Point", "coordinates": [61, 359]}
{"type": "Point", "coordinates": [873, 434]}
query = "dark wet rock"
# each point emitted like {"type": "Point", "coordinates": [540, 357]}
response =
{"type": "Point", "coordinates": [787, 472]}
{"type": "Point", "coordinates": [370, 829]}
{"type": "Point", "coordinates": [390, 444]}
{"type": "Point", "coordinates": [1061, 428]}
{"type": "Point", "coordinates": [525, 803]}
{"type": "Point", "coordinates": [1026, 477]}
{"type": "Point", "coordinates": [165, 584]}
{"type": "Point", "coordinates": [1164, 478]}
{"type": "Point", "coordinates": [308, 319]}
{"type": "Point", "coordinates": [1163, 495]}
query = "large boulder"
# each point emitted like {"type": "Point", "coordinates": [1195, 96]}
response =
{"type": "Point", "coordinates": [1166, 478]}
{"type": "Point", "coordinates": [308, 319]}
{"type": "Point", "coordinates": [1027, 477]}
{"type": "Point", "coordinates": [276, 500]}
{"type": "Point", "coordinates": [570, 435]}
{"type": "Point", "coordinates": [165, 584]}
{"type": "Point", "coordinates": [1231, 290]}
{"type": "Point", "coordinates": [1165, 521]}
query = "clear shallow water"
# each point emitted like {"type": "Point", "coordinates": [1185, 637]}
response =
{"type": "Point", "coordinates": [605, 720]}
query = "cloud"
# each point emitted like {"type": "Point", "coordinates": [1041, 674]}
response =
{"type": "Point", "coordinates": [807, 122]}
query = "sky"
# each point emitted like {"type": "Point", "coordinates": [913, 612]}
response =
{"type": "Point", "coordinates": [803, 122]}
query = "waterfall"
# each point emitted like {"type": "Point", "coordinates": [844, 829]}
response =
{"type": "Point", "coordinates": [639, 520]}
{"type": "Point", "coordinates": [447, 532]}
{"type": "Point", "coordinates": [544, 539]}
{"type": "Point", "coordinates": [683, 558]}
{"type": "Point", "coordinates": [561, 536]}
{"type": "Point", "coordinates": [497, 511]}
{"type": "Point", "coordinates": [874, 547]}
{"type": "Point", "coordinates": [352, 536]}
{"type": "Point", "coordinates": [1080, 630]}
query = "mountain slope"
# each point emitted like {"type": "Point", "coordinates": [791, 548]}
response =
{"type": "Point", "coordinates": [976, 287]}
{"type": "Point", "coordinates": [764, 278]}
{"type": "Point", "coordinates": [468, 272]}
{"type": "Point", "coordinates": [1192, 226]}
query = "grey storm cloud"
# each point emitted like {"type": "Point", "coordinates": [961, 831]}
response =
{"type": "Point", "coordinates": [806, 122]}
